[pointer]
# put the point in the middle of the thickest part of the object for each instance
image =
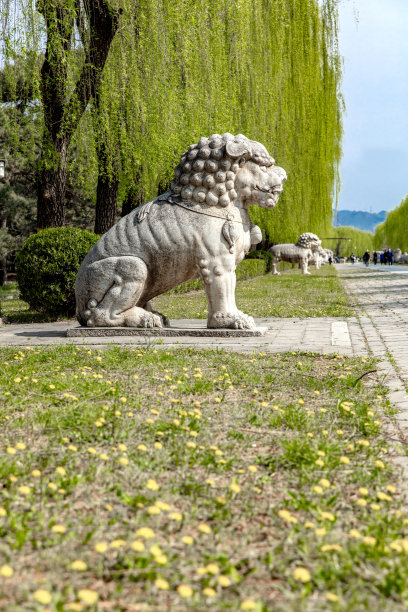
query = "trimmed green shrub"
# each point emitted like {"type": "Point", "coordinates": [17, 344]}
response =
{"type": "Point", "coordinates": [47, 265]}
{"type": "Point", "coordinates": [246, 269]}
{"type": "Point", "coordinates": [265, 255]}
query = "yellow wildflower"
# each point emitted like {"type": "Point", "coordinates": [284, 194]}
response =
{"type": "Point", "coordinates": [42, 596]}
{"type": "Point", "coordinates": [6, 571]}
{"type": "Point", "coordinates": [78, 565]}
{"type": "Point", "coordinates": [302, 574]}
{"type": "Point", "coordinates": [204, 528]}
{"type": "Point", "coordinates": [184, 590]}
{"type": "Point", "coordinates": [88, 596]}
{"type": "Point", "coordinates": [161, 584]}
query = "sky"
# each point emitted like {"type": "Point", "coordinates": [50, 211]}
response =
{"type": "Point", "coordinates": [373, 40]}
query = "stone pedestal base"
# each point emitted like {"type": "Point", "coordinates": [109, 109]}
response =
{"type": "Point", "coordinates": [83, 332]}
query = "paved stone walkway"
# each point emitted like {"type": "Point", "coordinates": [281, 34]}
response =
{"type": "Point", "coordinates": [381, 295]}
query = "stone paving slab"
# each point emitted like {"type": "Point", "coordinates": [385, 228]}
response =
{"type": "Point", "coordinates": [281, 335]}
{"type": "Point", "coordinates": [381, 297]}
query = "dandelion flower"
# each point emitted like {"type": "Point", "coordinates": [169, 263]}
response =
{"type": "Point", "coordinates": [24, 490]}
{"type": "Point", "coordinates": [123, 461]}
{"type": "Point", "coordinates": [88, 596]}
{"type": "Point", "coordinates": [162, 505]}
{"type": "Point", "coordinates": [60, 470]}
{"type": "Point", "coordinates": [58, 528]}
{"type": "Point", "coordinates": [187, 540]}
{"type": "Point", "coordinates": [101, 547]}
{"type": "Point", "coordinates": [161, 559]}
{"type": "Point", "coordinates": [320, 531]}
{"type": "Point", "coordinates": [117, 543]}
{"type": "Point", "coordinates": [212, 568]}
{"type": "Point", "coordinates": [36, 473]}
{"type": "Point", "coordinates": [344, 460]}
{"type": "Point", "coordinates": [363, 491]}
{"type": "Point", "coordinates": [176, 516]}
{"type": "Point", "coordinates": [327, 516]}
{"type": "Point", "coordinates": [224, 581]}
{"type": "Point", "coordinates": [204, 528]}
{"type": "Point", "coordinates": [234, 487]}
{"type": "Point", "coordinates": [210, 482]}
{"type": "Point", "coordinates": [161, 584]}
{"type": "Point", "coordinates": [152, 485]}
{"type": "Point", "coordinates": [379, 464]}
{"type": "Point", "coordinates": [2, 511]}
{"type": "Point", "coordinates": [137, 546]}
{"type": "Point", "coordinates": [145, 532]}
{"type": "Point", "coordinates": [325, 483]}
{"type": "Point", "coordinates": [381, 496]}
{"type": "Point", "coordinates": [361, 502]}
{"type": "Point", "coordinates": [375, 506]}
{"type": "Point", "coordinates": [318, 489]}
{"type": "Point", "coordinates": [20, 445]}
{"type": "Point", "coordinates": [209, 592]}
{"type": "Point", "coordinates": [302, 574]}
{"type": "Point", "coordinates": [248, 604]}
{"type": "Point", "coordinates": [153, 510]}
{"type": "Point", "coordinates": [221, 500]}
{"type": "Point", "coordinates": [331, 597]}
{"type": "Point", "coordinates": [6, 571]}
{"type": "Point", "coordinates": [369, 541]}
{"type": "Point", "coordinates": [10, 450]}
{"type": "Point", "coordinates": [252, 468]}
{"type": "Point", "coordinates": [354, 533]}
{"type": "Point", "coordinates": [42, 596]}
{"type": "Point", "coordinates": [78, 565]}
{"type": "Point", "coordinates": [184, 590]}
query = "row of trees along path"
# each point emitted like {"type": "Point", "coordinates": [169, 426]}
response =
{"type": "Point", "coordinates": [122, 87]}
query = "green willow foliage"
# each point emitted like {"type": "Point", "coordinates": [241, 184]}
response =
{"type": "Point", "coordinates": [180, 69]}
{"type": "Point", "coordinates": [393, 233]}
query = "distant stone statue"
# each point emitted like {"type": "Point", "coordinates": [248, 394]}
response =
{"type": "Point", "coordinates": [200, 228]}
{"type": "Point", "coordinates": [319, 258]}
{"type": "Point", "coordinates": [300, 253]}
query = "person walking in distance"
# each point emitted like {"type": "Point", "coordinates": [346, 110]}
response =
{"type": "Point", "coordinates": [366, 257]}
{"type": "Point", "coordinates": [375, 258]}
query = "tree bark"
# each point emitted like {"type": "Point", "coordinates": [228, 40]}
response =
{"type": "Point", "coordinates": [106, 203]}
{"type": "Point", "coordinates": [62, 115]}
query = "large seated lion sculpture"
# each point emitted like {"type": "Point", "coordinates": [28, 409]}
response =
{"type": "Point", "coordinates": [200, 228]}
{"type": "Point", "coordinates": [300, 253]}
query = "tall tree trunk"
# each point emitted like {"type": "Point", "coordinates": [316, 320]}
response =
{"type": "Point", "coordinates": [97, 23]}
{"type": "Point", "coordinates": [51, 186]}
{"type": "Point", "coordinates": [106, 203]}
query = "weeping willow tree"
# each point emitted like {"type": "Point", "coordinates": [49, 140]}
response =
{"type": "Point", "coordinates": [177, 70]}
{"type": "Point", "coordinates": [393, 232]}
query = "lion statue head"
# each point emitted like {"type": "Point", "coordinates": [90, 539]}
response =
{"type": "Point", "coordinates": [308, 241]}
{"type": "Point", "coordinates": [219, 169]}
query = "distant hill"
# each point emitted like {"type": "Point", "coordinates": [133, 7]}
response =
{"type": "Point", "coordinates": [359, 219]}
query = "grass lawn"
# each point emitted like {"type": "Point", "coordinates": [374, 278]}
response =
{"type": "Point", "coordinates": [149, 480]}
{"type": "Point", "coordinates": [288, 295]}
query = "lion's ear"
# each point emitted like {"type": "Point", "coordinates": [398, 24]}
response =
{"type": "Point", "coordinates": [236, 149]}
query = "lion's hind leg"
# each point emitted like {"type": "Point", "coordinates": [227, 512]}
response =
{"type": "Point", "coordinates": [115, 286]}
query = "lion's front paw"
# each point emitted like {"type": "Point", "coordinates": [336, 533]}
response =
{"type": "Point", "coordinates": [236, 320]}
{"type": "Point", "coordinates": [150, 320]}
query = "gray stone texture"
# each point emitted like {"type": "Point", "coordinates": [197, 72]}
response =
{"type": "Point", "coordinates": [302, 253]}
{"type": "Point", "coordinates": [201, 228]}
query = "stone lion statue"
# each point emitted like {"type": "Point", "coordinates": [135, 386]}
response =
{"type": "Point", "coordinates": [300, 253]}
{"type": "Point", "coordinates": [319, 257]}
{"type": "Point", "coordinates": [200, 228]}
